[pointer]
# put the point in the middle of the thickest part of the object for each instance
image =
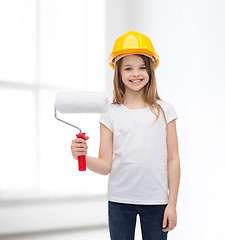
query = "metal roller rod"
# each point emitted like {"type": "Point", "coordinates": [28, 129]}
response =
{"type": "Point", "coordinates": [67, 122]}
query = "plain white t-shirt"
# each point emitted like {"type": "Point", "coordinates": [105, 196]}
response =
{"type": "Point", "coordinates": [139, 166]}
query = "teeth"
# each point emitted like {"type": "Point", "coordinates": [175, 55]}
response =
{"type": "Point", "coordinates": [136, 81]}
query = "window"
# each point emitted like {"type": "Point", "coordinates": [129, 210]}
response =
{"type": "Point", "coordinates": [47, 46]}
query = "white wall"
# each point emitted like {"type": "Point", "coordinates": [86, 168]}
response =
{"type": "Point", "coordinates": [189, 38]}
{"type": "Point", "coordinates": [53, 214]}
{"type": "Point", "coordinates": [117, 23]}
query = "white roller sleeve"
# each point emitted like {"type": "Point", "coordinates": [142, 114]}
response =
{"type": "Point", "coordinates": [81, 102]}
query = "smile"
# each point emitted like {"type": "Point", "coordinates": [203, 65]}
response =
{"type": "Point", "coordinates": [135, 81]}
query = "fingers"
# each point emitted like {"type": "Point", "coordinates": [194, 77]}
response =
{"type": "Point", "coordinates": [80, 140]}
{"type": "Point", "coordinates": [79, 147]}
{"type": "Point", "coordinates": [170, 226]}
{"type": "Point", "coordinates": [169, 219]}
{"type": "Point", "coordinates": [164, 221]}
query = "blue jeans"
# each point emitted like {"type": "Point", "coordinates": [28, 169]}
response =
{"type": "Point", "coordinates": [122, 221]}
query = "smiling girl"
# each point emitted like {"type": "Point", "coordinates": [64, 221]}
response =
{"type": "Point", "coordinates": [138, 145]}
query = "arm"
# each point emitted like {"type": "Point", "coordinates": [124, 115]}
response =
{"type": "Point", "coordinates": [103, 163]}
{"type": "Point", "coordinates": [173, 163]}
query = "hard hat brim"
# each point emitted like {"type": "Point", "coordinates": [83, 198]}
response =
{"type": "Point", "coordinates": [116, 55]}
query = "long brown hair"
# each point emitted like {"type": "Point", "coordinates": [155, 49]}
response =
{"type": "Point", "coordinates": [150, 94]}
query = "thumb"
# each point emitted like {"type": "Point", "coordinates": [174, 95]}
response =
{"type": "Point", "coordinates": [164, 220]}
{"type": "Point", "coordinates": [86, 137]}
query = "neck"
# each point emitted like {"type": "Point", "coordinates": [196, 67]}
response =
{"type": "Point", "coordinates": [134, 99]}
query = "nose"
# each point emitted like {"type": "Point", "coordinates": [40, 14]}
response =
{"type": "Point", "coordinates": [136, 72]}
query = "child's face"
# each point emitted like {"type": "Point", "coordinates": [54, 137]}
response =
{"type": "Point", "coordinates": [133, 68]}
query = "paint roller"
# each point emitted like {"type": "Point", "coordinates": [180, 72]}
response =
{"type": "Point", "coordinates": [80, 102]}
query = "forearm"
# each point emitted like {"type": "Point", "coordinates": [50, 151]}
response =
{"type": "Point", "coordinates": [97, 165]}
{"type": "Point", "coordinates": [174, 180]}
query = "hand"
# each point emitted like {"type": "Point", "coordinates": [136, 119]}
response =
{"type": "Point", "coordinates": [79, 147]}
{"type": "Point", "coordinates": [170, 215]}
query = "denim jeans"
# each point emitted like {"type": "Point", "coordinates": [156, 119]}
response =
{"type": "Point", "coordinates": [122, 221]}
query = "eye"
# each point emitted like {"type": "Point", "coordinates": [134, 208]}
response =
{"type": "Point", "coordinates": [143, 67]}
{"type": "Point", "coordinates": [128, 68]}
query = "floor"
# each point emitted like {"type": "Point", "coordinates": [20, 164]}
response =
{"type": "Point", "coordinates": [100, 234]}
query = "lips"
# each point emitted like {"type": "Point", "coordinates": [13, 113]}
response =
{"type": "Point", "coordinates": [136, 80]}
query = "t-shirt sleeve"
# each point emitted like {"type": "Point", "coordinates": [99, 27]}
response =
{"type": "Point", "coordinates": [170, 112]}
{"type": "Point", "coordinates": [106, 119]}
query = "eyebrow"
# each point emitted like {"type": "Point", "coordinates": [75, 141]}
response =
{"type": "Point", "coordinates": [131, 65]}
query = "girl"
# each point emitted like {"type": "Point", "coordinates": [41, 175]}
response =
{"type": "Point", "coordinates": [138, 145]}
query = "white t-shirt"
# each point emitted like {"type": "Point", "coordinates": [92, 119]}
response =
{"type": "Point", "coordinates": [139, 167]}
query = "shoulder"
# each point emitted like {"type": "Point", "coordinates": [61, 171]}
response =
{"type": "Point", "coordinates": [168, 109]}
{"type": "Point", "coordinates": [112, 107]}
{"type": "Point", "coordinates": [165, 104]}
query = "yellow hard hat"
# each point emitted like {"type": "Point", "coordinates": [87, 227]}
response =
{"type": "Point", "coordinates": [133, 43]}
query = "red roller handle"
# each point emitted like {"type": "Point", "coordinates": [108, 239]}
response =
{"type": "Point", "coordinates": [82, 158]}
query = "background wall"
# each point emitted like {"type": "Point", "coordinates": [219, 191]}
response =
{"type": "Point", "coordinates": [189, 38]}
